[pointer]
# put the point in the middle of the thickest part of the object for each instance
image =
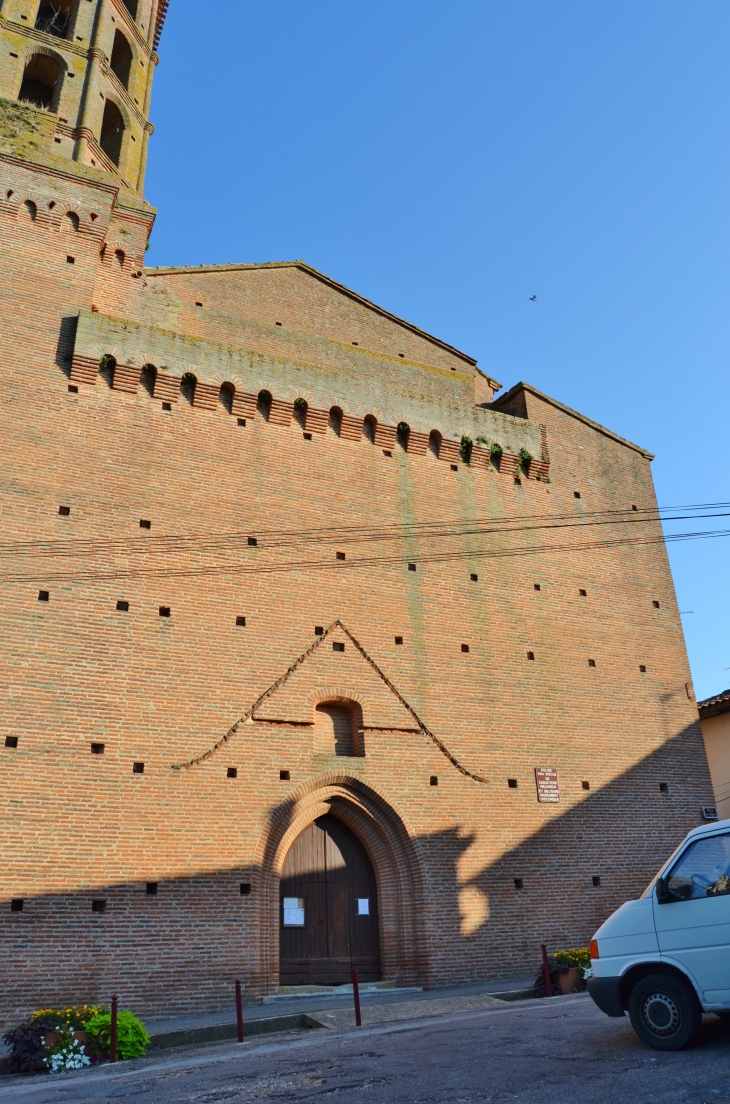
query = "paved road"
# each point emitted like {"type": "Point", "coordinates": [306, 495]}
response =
{"type": "Point", "coordinates": [561, 1051]}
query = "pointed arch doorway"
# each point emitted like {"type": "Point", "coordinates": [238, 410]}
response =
{"type": "Point", "coordinates": [328, 908]}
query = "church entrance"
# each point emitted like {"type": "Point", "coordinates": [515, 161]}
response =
{"type": "Point", "coordinates": [328, 909]}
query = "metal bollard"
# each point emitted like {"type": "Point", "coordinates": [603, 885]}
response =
{"type": "Point", "coordinates": [356, 995]}
{"type": "Point", "coordinates": [113, 1035]}
{"type": "Point", "coordinates": [546, 971]}
{"type": "Point", "coordinates": [239, 1011]}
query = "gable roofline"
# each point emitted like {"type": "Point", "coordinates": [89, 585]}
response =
{"type": "Point", "coordinates": [249, 714]}
{"type": "Point", "coordinates": [317, 275]}
{"type": "Point", "coordinates": [522, 386]}
{"type": "Point", "coordinates": [712, 707]}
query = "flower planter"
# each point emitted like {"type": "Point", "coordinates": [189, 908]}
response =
{"type": "Point", "coordinates": [568, 980]}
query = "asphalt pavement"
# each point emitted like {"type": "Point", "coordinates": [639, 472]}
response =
{"type": "Point", "coordinates": [562, 1050]}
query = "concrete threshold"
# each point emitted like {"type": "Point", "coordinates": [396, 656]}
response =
{"type": "Point", "coordinates": [333, 992]}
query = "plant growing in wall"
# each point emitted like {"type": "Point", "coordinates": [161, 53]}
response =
{"type": "Point", "coordinates": [465, 449]}
{"type": "Point", "coordinates": [524, 461]}
{"type": "Point", "coordinates": [106, 362]}
{"type": "Point", "coordinates": [495, 453]}
{"type": "Point", "coordinates": [403, 432]}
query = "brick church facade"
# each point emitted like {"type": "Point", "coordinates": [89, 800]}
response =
{"type": "Point", "coordinates": [314, 652]}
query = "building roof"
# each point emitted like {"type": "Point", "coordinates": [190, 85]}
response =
{"type": "Point", "coordinates": [504, 400]}
{"type": "Point", "coordinates": [317, 275]}
{"type": "Point", "coordinates": [710, 707]}
{"type": "Point", "coordinates": [161, 13]}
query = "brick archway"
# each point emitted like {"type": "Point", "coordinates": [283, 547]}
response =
{"type": "Point", "coordinates": [395, 861]}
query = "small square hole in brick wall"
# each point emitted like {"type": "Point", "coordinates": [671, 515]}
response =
{"type": "Point", "coordinates": [519, 883]}
{"type": "Point", "coordinates": [307, 436]}
{"type": "Point", "coordinates": [399, 639]}
{"type": "Point", "coordinates": [634, 507]}
{"type": "Point", "coordinates": [318, 630]}
{"type": "Point", "coordinates": [165, 611]}
{"type": "Point", "coordinates": [252, 542]}
{"type": "Point", "coordinates": [655, 604]}
{"type": "Point", "coordinates": [586, 785]}
{"type": "Point", "coordinates": [241, 622]}
{"type": "Point", "coordinates": [70, 260]}
{"type": "Point", "coordinates": [537, 586]}
{"type": "Point", "coordinates": [387, 452]}
{"type": "Point", "coordinates": [137, 768]}
{"type": "Point", "coordinates": [16, 905]}
{"type": "Point", "coordinates": [44, 596]}
{"type": "Point", "coordinates": [401, 354]}
{"type": "Point", "coordinates": [167, 406]}
{"type": "Point", "coordinates": [198, 304]}
{"type": "Point", "coordinates": [339, 555]}
{"type": "Point", "coordinates": [64, 511]}
{"type": "Point", "coordinates": [98, 906]}
{"type": "Point", "coordinates": [73, 389]}
{"type": "Point", "coordinates": [337, 647]}
{"type": "Point", "coordinates": [583, 593]}
{"type": "Point", "coordinates": [11, 741]}
{"type": "Point", "coordinates": [642, 668]}
{"type": "Point", "coordinates": [277, 323]}
{"type": "Point", "coordinates": [530, 655]}
{"type": "Point", "coordinates": [245, 889]}
{"type": "Point", "coordinates": [576, 494]}
{"type": "Point", "coordinates": [151, 889]}
{"type": "Point", "coordinates": [284, 776]}
{"type": "Point", "coordinates": [664, 787]}
{"type": "Point", "coordinates": [454, 467]}
{"type": "Point", "coordinates": [242, 421]}
{"type": "Point", "coordinates": [122, 606]}
{"type": "Point", "coordinates": [145, 524]}
{"type": "Point", "coordinates": [474, 578]}
{"type": "Point", "coordinates": [433, 780]}
{"type": "Point", "coordinates": [512, 783]}
{"type": "Point", "coordinates": [232, 772]}
{"type": "Point", "coordinates": [596, 879]}
{"type": "Point", "coordinates": [591, 663]}
{"type": "Point", "coordinates": [465, 647]}
{"type": "Point", "coordinates": [411, 567]}
{"type": "Point", "coordinates": [98, 749]}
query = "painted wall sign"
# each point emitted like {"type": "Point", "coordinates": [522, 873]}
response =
{"type": "Point", "coordinates": [548, 788]}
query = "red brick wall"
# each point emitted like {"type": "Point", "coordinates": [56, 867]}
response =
{"type": "Point", "coordinates": [164, 691]}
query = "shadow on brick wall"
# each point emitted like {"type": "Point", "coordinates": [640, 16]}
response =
{"type": "Point", "coordinates": [177, 947]}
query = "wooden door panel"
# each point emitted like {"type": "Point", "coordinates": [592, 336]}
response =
{"type": "Point", "coordinates": [329, 869]}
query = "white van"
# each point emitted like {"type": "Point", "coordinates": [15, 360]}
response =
{"type": "Point", "coordinates": [665, 957]}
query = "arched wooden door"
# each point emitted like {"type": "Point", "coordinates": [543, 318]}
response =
{"type": "Point", "coordinates": [328, 909]}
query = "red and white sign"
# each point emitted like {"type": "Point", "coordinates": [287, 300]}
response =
{"type": "Point", "coordinates": [548, 788]}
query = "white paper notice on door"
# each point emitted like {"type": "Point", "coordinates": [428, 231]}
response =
{"type": "Point", "coordinates": [363, 906]}
{"type": "Point", "coordinates": [293, 912]}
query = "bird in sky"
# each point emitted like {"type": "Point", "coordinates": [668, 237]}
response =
{"type": "Point", "coordinates": [533, 298]}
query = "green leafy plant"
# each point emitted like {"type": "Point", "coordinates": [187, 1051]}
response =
{"type": "Point", "coordinates": [300, 404]}
{"type": "Point", "coordinates": [496, 450]}
{"type": "Point", "coordinates": [465, 449]}
{"type": "Point", "coordinates": [484, 441]}
{"type": "Point", "coordinates": [132, 1037]}
{"type": "Point", "coordinates": [107, 361]}
{"type": "Point", "coordinates": [525, 457]}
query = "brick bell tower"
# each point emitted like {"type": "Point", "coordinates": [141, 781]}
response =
{"type": "Point", "coordinates": [75, 88]}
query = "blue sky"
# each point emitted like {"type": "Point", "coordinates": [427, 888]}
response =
{"type": "Point", "coordinates": [449, 160]}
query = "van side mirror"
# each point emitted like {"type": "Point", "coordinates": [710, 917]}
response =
{"type": "Point", "coordinates": [662, 893]}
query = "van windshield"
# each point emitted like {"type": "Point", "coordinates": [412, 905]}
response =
{"type": "Point", "coordinates": [661, 870]}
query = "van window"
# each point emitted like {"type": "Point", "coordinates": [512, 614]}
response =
{"type": "Point", "coordinates": [703, 870]}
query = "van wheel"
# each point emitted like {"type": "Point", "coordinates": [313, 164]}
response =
{"type": "Point", "coordinates": [665, 1012]}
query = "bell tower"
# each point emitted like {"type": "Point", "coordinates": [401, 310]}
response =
{"type": "Point", "coordinates": [85, 69]}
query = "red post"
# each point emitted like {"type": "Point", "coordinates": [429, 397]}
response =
{"type": "Point", "coordinates": [356, 995]}
{"type": "Point", "coordinates": [546, 971]}
{"type": "Point", "coordinates": [239, 1011]}
{"type": "Point", "coordinates": [113, 1036]}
